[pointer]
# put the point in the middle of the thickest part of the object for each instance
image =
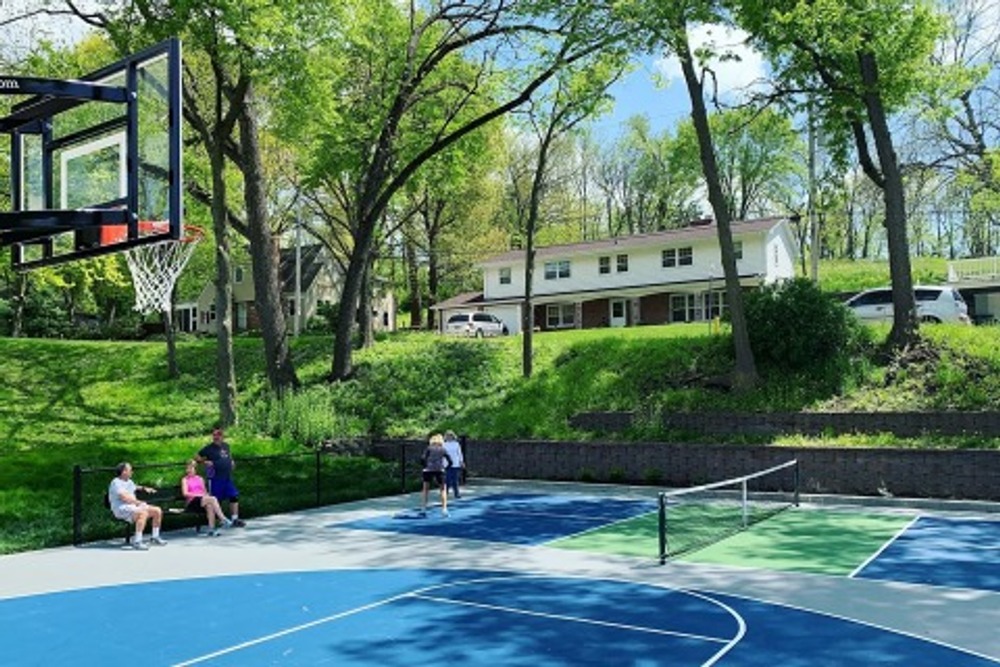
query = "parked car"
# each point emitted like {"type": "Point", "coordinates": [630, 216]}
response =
{"type": "Point", "coordinates": [475, 324]}
{"type": "Point", "coordinates": [934, 304]}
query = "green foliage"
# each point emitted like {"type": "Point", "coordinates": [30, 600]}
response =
{"type": "Point", "coordinates": [848, 276]}
{"type": "Point", "coordinates": [795, 327]}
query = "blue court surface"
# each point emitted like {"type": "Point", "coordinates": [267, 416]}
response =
{"type": "Point", "coordinates": [372, 584]}
{"type": "Point", "coordinates": [432, 617]}
{"type": "Point", "coordinates": [512, 518]}
{"type": "Point", "coordinates": [961, 553]}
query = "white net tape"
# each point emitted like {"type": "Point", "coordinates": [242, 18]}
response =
{"type": "Point", "coordinates": [155, 268]}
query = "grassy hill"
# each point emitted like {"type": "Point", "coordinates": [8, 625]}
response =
{"type": "Point", "coordinates": [96, 403]}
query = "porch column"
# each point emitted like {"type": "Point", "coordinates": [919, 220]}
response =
{"type": "Point", "coordinates": [578, 315]}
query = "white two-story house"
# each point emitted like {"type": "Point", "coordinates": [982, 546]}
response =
{"type": "Point", "coordinates": [655, 278]}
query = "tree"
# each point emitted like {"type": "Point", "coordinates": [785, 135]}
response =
{"type": "Point", "coordinates": [575, 94]}
{"type": "Point", "coordinates": [758, 155]}
{"type": "Point", "coordinates": [665, 25]}
{"type": "Point", "coordinates": [861, 61]}
{"type": "Point", "coordinates": [236, 39]}
{"type": "Point", "coordinates": [378, 86]}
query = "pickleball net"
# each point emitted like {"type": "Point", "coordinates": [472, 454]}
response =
{"type": "Point", "coordinates": [695, 517]}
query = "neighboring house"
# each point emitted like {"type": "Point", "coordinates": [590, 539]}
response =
{"type": "Point", "coordinates": [656, 278]}
{"type": "Point", "coordinates": [320, 286]}
{"type": "Point", "coordinates": [978, 280]}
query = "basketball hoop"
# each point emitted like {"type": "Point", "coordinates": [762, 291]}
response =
{"type": "Point", "coordinates": [156, 266]}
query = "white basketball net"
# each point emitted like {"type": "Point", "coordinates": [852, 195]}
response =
{"type": "Point", "coordinates": [155, 268]}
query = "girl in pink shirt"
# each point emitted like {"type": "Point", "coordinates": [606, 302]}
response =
{"type": "Point", "coordinates": [194, 491]}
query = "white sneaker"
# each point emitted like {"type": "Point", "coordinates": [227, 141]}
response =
{"type": "Point", "coordinates": [139, 545]}
{"type": "Point", "coordinates": [158, 541]}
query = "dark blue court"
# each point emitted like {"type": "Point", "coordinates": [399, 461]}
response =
{"type": "Point", "coordinates": [512, 518]}
{"type": "Point", "coordinates": [428, 617]}
{"type": "Point", "coordinates": [961, 553]}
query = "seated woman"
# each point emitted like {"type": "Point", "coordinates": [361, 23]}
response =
{"type": "Point", "coordinates": [194, 491]}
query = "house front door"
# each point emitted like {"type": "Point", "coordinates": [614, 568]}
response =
{"type": "Point", "coordinates": [619, 317]}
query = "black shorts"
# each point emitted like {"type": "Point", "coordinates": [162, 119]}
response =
{"type": "Point", "coordinates": [434, 476]}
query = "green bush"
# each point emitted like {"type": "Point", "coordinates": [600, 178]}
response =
{"type": "Point", "coordinates": [794, 326]}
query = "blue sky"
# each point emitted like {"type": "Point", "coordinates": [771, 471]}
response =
{"type": "Point", "coordinates": [656, 89]}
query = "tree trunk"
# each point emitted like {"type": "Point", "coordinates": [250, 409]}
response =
{"type": "Point", "coordinates": [365, 318]}
{"type": "Point", "coordinates": [225, 374]}
{"type": "Point", "coordinates": [265, 255]}
{"type": "Point", "coordinates": [168, 329]}
{"type": "Point", "coordinates": [433, 282]}
{"type": "Point", "coordinates": [21, 293]}
{"type": "Point", "coordinates": [351, 294]}
{"type": "Point", "coordinates": [904, 322]}
{"type": "Point", "coordinates": [745, 372]}
{"type": "Point", "coordinates": [413, 283]}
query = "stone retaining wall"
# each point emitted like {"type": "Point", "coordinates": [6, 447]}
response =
{"type": "Point", "coordinates": [953, 474]}
{"type": "Point", "coordinates": [903, 424]}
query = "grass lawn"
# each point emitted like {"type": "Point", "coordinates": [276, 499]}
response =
{"type": "Point", "coordinates": [66, 403]}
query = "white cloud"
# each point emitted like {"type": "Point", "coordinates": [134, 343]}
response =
{"type": "Point", "coordinates": [735, 76]}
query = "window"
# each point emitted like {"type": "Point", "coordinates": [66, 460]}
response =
{"type": "Point", "coordinates": [555, 270]}
{"type": "Point", "coordinates": [715, 303]}
{"type": "Point", "coordinates": [291, 307]}
{"type": "Point", "coordinates": [621, 263]}
{"type": "Point", "coordinates": [238, 275]}
{"type": "Point", "coordinates": [560, 315]}
{"type": "Point", "coordinates": [683, 308]}
{"type": "Point", "coordinates": [211, 313]}
{"type": "Point", "coordinates": [738, 249]}
{"type": "Point", "coordinates": [603, 265]}
{"type": "Point", "coordinates": [505, 275]}
{"type": "Point", "coordinates": [672, 257]}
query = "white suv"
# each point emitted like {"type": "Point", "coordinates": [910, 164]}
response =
{"type": "Point", "coordinates": [934, 304]}
{"type": "Point", "coordinates": [475, 324]}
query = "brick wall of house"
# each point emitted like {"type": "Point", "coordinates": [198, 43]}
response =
{"type": "Point", "coordinates": [908, 473]}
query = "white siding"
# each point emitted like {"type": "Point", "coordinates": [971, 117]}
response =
{"type": "Point", "coordinates": [780, 257]}
{"type": "Point", "coordinates": [509, 315]}
{"type": "Point", "coordinates": [768, 255]}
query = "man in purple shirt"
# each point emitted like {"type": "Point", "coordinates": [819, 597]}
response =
{"type": "Point", "coordinates": [219, 464]}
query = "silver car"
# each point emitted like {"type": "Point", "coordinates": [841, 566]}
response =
{"type": "Point", "coordinates": [476, 324]}
{"type": "Point", "coordinates": [934, 304]}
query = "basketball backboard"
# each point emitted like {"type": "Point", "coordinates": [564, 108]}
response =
{"type": "Point", "coordinates": [94, 160]}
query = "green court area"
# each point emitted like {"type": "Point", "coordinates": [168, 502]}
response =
{"type": "Point", "coordinates": [819, 541]}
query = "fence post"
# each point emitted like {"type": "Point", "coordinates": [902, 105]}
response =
{"type": "Point", "coordinates": [402, 467]}
{"type": "Point", "coordinates": [464, 441]}
{"type": "Point", "coordinates": [319, 453]}
{"type": "Point", "coordinates": [77, 506]}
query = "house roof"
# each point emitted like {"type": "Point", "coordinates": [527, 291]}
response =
{"type": "Point", "coordinates": [696, 232]}
{"type": "Point", "coordinates": [312, 263]}
{"type": "Point", "coordinates": [459, 300]}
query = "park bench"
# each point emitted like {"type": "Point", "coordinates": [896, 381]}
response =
{"type": "Point", "coordinates": [173, 504]}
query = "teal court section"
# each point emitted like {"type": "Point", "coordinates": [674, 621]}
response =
{"type": "Point", "coordinates": [434, 617]}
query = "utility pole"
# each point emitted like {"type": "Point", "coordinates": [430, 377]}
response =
{"type": "Point", "coordinates": [811, 205]}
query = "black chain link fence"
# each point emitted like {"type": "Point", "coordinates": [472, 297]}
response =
{"type": "Point", "coordinates": [334, 473]}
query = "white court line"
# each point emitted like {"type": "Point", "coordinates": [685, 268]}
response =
{"type": "Point", "coordinates": [884, 546]}
{"type": "Point", "coordinates": [421, 594]}
{"type": "Point", "coordinates": [571, 619]}
{"type": "Point", "coordinates": [291, 630]}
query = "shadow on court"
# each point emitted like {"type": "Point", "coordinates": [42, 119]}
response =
{"type": "Point", "coordinates": [429, 617]}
